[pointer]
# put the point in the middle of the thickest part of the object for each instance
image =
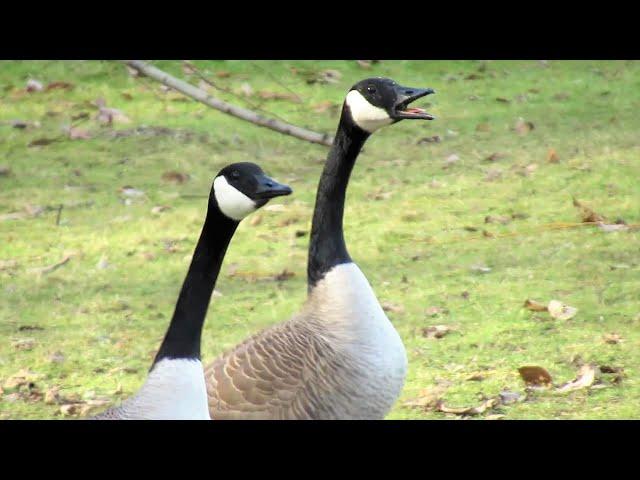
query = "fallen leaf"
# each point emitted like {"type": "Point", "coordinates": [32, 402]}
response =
{"type": "Point", "coordinates": [507, 397]}
{"type": "Point", "coordinates": [292, 97]}
{"type": "Point", "coordinates": [552, 156]}
{"type": "Point", "coordinates": [56, 357]}
{"type": "Point", "coordinates": [24, 344]}
{"type": "Point", "coordinates": [159, 209]}
{"type": "Point", "coordinates": [476, 377]}
{"type": "Point", "coordinates": [534, 306]}
{"type": "Point", "coordinates": [502, 219]}
{"type": "Point", "coordinates": [52, 396]}
{"type": "Point", "coordinates": [436, 331]}
{"type": "Point", "coordinates": [610, 369]}
{"type": "Point", "coordinates": [76, 133]}
{"type": "Point", "coordinates": [255, 220]}
{"type": "Point", "coordinates": [59, 86]}
{"type": "Point", "coordinates": [5, 171]}
{"type": "Point", "coordinates": [535, 376]}
{"type": "Point", "coordinates": [495, 156]}
{"type": "Point", "coordinates": [175, 177]}
{"type": "Point", "coordinates": [432, 139]}
{"type": "Point", "coordinates": [480, 269]}
{"type": "Point", "coordinates": [433, 311]}
{"type": "Point", "coordinates": [70, 409]}
{"type": "Point", "coordinates": [483, 407]}
{"type": "Point", "coordinates": [284, 275]}
{"type": "Point", "coordinates": [366, 64]}
{"type": "Point", "coordinates": [129, 191]}
{"type": "Point", "coordinates": [493, 174]}
{"type": "Point", "coordinates": [451, 160]}
{"type": "Point", "coordinates": [613, 338]}
{"type": "Point", "coordinates": [616, 227]}
{"type": "Point", "coordinates": [560, 311]}
{"type": "Point", "coordinates": [41, 142]}
{"type": "Point", "coordinates": [588, 214]}
{"type": "Point", "coordinates": [523, 127]}
{"type": "Point", "coordinates": [34, 86]}
{"type": "Point", "coordinates": [392, 307]}
{"type": "Point", "coordinates": [428, 398]}
{"type": "Point", "coordinates": [483, 127]}
{"type": "Point", "coordinates": [8, 264]}
{"type": "Point", "coordinates": [102, 263]}
{"type": "Point", "coordinates": [222, 74]}
{"type": "Point", "coordinates": [586, 377]}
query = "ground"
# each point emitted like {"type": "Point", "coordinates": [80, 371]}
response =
{"type": "Point", "coordinates": [455, 222]}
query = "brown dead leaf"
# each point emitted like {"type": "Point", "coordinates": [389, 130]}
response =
{"type": "Point", "coordinates": [552, 156]}
{"type": "Point", "coordinates": [392, 307]}
{"type": "Point", "coordinates": [480, 409]}
{"type": "Point", "coordinates": [59, 86]}
{"type": "Point", "coordinates": [222, 74]}
{"type": "Point", "coordinates": [502, 100]}
{"type": "Point", "coordinates": [535, 376]}
{"type": "Point", "coordinates": [586, 376]}
{"type": "Point", "coordinates": [476, 377]}
{"type": "Point", "coordinates": [495, 157]}
{"type": "Point", "coordinates": [77, 133]}
{"type": "Point", "coordinates": [41, 142]}
{"type": "Point", "coordinates": [255, 220]}
{"type": "Point", "coordinates": [24, 344]}
{"type": "Point", "coordinates": [366, 64]}
{"type": "Point", "coordinates": [291, 97]}
{"type": "Point", "coordinates": [613, 338]}
{"type": "Point", "coordinates": [493, 174]}
{"type": "Point", "coordinates": [560, 311]}
{"type": "Point", "coordinates": [436, 331]}
{"type": "Point", "coordinates": [52, 396]}
{"type": "Point", "coordinates": [428, 398]}
{"type": "Point", "coordinates": [588, 214]}
{"type": "Point", "coordinates": [70, 409]}
{"type": "Point", "coordinates": [284, 275]}
{"type": "Point", "coordinates": [175, 177]}
{"type": "Point", "coordinates": [502, 219]}
{"type": "Point", "coordinates": [483, 127]}
{"type": "Point", "coordinates": [534, 306]}
{"type": "Point", "coordinates": [159, 209]}
{"type": "Point", "coordinates": [523, 127]}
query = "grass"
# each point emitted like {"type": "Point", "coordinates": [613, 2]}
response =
{"type": "Point", "coordinates": [406, 215]}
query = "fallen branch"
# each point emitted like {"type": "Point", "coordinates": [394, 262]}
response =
{"type": "Point", "coordinates": [51, 268]}
{"type": "Point", "coordinates": [239, 112]}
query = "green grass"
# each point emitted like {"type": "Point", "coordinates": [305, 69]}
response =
{"type": "Point", "coordinates": [411, 241]}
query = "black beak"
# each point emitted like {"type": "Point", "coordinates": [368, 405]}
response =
{"type": "Point", "coordinates": [406, 95]}
{"type": "Point", "coordinates": [269, 188]}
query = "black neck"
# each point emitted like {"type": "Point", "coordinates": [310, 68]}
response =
{"type": "Point", "coordinates": [327, 248]}
{"type": "Point", "coordinates": [182, 339]}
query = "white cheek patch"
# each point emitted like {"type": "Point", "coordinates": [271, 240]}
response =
{"type": "Point", "coordinates": [367, 116]}
{"type": "Point", "coordinates": [232, 202]}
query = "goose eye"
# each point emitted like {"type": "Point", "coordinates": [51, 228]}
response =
{"type": "Point", "coordinates": [235, 174]}
{"type": "Point", "coordinates": [371, 89]}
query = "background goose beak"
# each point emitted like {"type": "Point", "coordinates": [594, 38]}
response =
{"type": "Point", "coordinates": [269, 188]}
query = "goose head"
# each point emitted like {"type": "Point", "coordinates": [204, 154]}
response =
{"type": "Point", "coordinates": [376, 102]}
{"type": "Point", "coordinates": [242, 188]}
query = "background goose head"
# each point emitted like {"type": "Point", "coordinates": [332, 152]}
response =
{"type": "Point", "coordinates": [241, 188]}
{"type": "Point", "coordinates": [373, 103]}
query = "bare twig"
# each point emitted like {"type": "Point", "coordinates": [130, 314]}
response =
{"type": "Point", "coordinates": [239, 112]}
{"type": "Point", "coordinates": [59, 214]}
{"type": "Point", "coordinates": [51, 268]}
{"type": "Point", "coordinates": [211, 83]}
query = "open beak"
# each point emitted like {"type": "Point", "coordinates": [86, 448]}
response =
{"type": "Point", "coordinates": [406, 95]}
{"type": "Point", "coordinates": [269, 188]}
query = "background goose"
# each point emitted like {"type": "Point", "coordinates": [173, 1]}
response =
{"type": "Point", "coordinates": [175, 387]}
{"type": "Point", "coordinates": [340, 357]}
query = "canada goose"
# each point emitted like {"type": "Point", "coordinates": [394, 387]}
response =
{"type": "Point", "coordinates": [340, 357]}
{"type": "Point", "coordinates": [175, 387]}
